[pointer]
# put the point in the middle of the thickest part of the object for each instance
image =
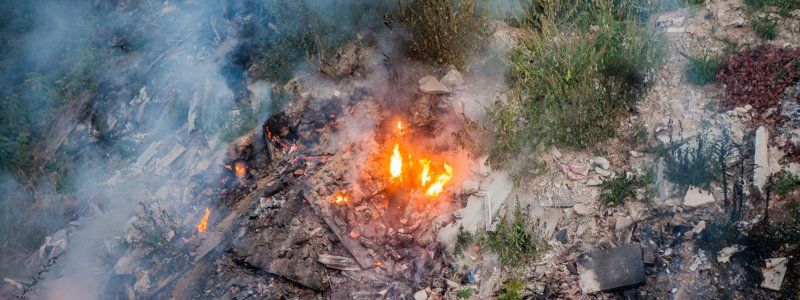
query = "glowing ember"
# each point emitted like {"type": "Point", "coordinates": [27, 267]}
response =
{"type": "Point", "coordinates": [396, 163]}
{"type": "Point", "coordinates": [201, 227]}
{"type": "Point", "coordinates": [341, 198]}
{"type": "Point", "coordinates": [399, 125]}
{"type": "Point", "coordinates": [239, 169]}
{"type": "Point", "coordinates": [378, 263]}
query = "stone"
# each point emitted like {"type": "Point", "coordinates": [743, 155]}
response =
{"type": "Point", "coordinates": [622, 223]}
{"type": "Point", "coordinates": [724, 255]}
{"type": "Point", "coordinates": [676, 30]}
{"type": "Point", "coordinates": [583, 209]}
{"type": "Point", "coordinates": [602, 162]}
{"type": "Point", "coordinates": [761, 158]}
{"type": "Point", "coordinates": [594, 182]}
{"type": "Point", "coordinates": [635, 154]}
{"type": "Point", "coordinates": [696, 198]}
{"type": "Point", "coordinates": [143, 284]}
{"type": "Point", "coordinates": [421, 295]}
{"type": "Point", "coordinates": [602, 172]}
{"type": "Point", "coordinates": [774, 271]}
{"type": "Point", "coordinates": [611, 268]}
{"type": "Point", "coordinates": [430, 84]}
{"type": "Point", "coordinates": [665, 188]}
{"type": "Point", "coordinates": [648, 255]}
{"type": "Point", "coordinates": [453, 79]}
{"type": "Point", "coordinates": [562, 236]}
{"type": "Point", "coordinates": [575, 172]}
{"type": "Point", "coordinates": [699, 227]}
{"type": "Point", "coordinates": [555, 153]}
{"type": "Point", "coordinates": [738, 22]}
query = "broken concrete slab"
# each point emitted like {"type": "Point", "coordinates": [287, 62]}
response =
{"type": "Point", "coordinates": [665, 188]}
{"type": "Point", "coordinates": [453, 79]}
{"type": "Point", "coordinates": [774, 271]}
{"type": "Point", "coordinates": [610, 268]}
{"type": "Point", "coordinates": [696, 197]}
{"type": "Point", "coordinates": [430, 84]}
{"type": "Point", "coordinates": [761, 158]}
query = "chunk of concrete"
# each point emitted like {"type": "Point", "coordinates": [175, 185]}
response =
{"type": "Point", "coordinates": [773, 272]}
{"type": "Point", "coordinates": [430, 84]}
{"type": "Point", "coordinates": [453, 79]}
{"type": "Point", "coordinates": [696, 197]}
{"type": "Point", "coordinates": [480, 209]}
{"type": "Point", "coordinates": [761, 158]}
{"type": "Point", "coordinates": [610, 268]}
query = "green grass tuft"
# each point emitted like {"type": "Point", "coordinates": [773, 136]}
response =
{"type": "Point", "coordinates": [784, 182]}
{"type": "Point", "coordinates": [511, 290]}
{"type": "Point", "coordinates": [702, 69]}
{"type": "Point", "coordinates": [621, 188]}
{"type": "Point", "coordinates": [766, 28]}
{"type": "Point", "coordinates": [465, 293]}
{"type": "Point", "coordinates": [514, 241]}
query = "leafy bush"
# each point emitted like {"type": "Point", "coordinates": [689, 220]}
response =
{"type": "Point", "coordinates": [758, 76]}
{"type": "Point", "coordinates": [465, 293]}
{"type": "Point", "coordinates": [573, 82]}
{"type": "Point", "coordinates": [463, 240]}
{"type": "Point", "coordinates": [784, 182]}
{"type": "Point", "coordinates": [702, 69]}
{"type": "Point", "coordinates": [444, 32]}
{"type": "Point", "coordinates": [514, 241]}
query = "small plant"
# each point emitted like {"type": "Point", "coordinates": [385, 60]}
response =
{"type": "Point", "coordinates": [444, 32]}
{"type": "Point", "coordinates": [514, 241]}
{"type": "Point", "coordinates": [465, 293]}
{"type": "Point", "coordinates": [463, 240]}
{"type": "Point", "coordinates": [511, 290]}
{"type": "Point", "coordinates": [702, 69]}
{"type": "Point", "coordinates": [155, 228]}
{"type": "Point", "coordinates": [622, 187]}
{"type": "Point", "coordinates": [765, 27]}
{"type": "Point", "coordinates": [784, 182]}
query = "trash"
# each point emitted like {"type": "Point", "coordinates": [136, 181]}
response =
{"type": "Point", "coordinates": [610, 268]}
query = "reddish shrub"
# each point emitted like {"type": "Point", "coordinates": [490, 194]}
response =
{"type": "Point", "coordinates": [758, 76]}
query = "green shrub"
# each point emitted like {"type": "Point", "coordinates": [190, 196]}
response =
{"type": "Point", "coordinates": [766, 28]}
{"type": "Point", "coordinates": [784, 182]}
{"type": "Point", "coordinates": [443, 32]}
{"type": "Point", "coordinates": [514, 241]}
{"type": "Point", "coordinates": [574, 83]}
{"type": "Point", "coordinates": [702, 69]}
{"type": "Point", "coordinates": [783, 6]}
{"type": "Point", "coordinates": [465, 293]}
{"type": "Point", "coordinates": [511, 290]}
{"type": "Point", "coordinates": [622, 187]}
{"type": "Point", "coordinates": [463, 240]}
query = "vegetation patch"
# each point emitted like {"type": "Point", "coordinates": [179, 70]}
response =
{"type": "Point", "coordinates": [765, 27]}
{"type": "Point", "coordinates": [511, 290]}
{"type": "Point", "coordinates": [443, 32]}
{"type": "Point", "coordinates": [784, 182]}
{"type": "Point", "coordinates": [622, 187]}
{"type": "Point", "coordinates": [573, 78]}
{"type": "Point", "coordinates": [783, 6]}
{"type": "Point", "coordinates": [702, 69]}
{"type": "Point", "coordinates": [758, 76]}
{"type": "Point", "coordinates": [514, 241]}
{"type": "Point", "coordinates": [465, 293]}
{"type": "Point", "coordinates": [463, 240]}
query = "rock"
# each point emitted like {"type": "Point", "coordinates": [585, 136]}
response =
{"type": "Point", "coordinates": [561, 236]}
{"type": "Point", "coordinates": [594, 182]}
{"type": "Point", "coordinates": [583, 209]}
{"type": "Point", "coordinates": [738, 22]}
{"type": "Point", "coordinates": [648, 255]}
{"type": "Point", "coordinates": [665, 188]}
{"type": "Point", "coordinates": [635, 154]}
{"type": "Point", "coordinates": [143, 284]}
{"type": "Point", "coordinates": [453, 79]}
{"type": "Point", "coordinates": [774, 271]}
{"type": "Point", "coordinates": [421, 295]}
{"type": "Point", "coordinates": [699, 227]}
{"type": "Point", "coordinates": [602, 172]}
{"type": "Point", "coordinates": [555, 153]}
{"type": "Point", "coordinates": [610, 268]}
{"type": "Point", "coordinates": [622, 223]}
{"type": "Point", "coordinates": [696, 198]}
{"type": "Point", "coordinates": [10, 287]}
{"type": "Point", "coordinates": [575, 172]}
{"type": "Point", "coordinates": [430, 84]}
{"type": "Point", "coordinates": [602, 162]}
{"type": "Point", "coordinates": [724, 255]}
{"type": "Point", "coordinates": [676, 30]}
{"type": "Point", "coordinates": [761, 158]}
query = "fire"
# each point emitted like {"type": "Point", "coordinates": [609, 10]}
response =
{"type": "Point", "coordinates": [201, 227]}
{"type": "Point", "coordinates": [341, 198]}
{"type": "Point", "coordinates": [437, 187]}
{"type": "Point", "coordinates": [396, 163]}
{"type": "Point", "coordinates": [425, 176]}
{"type": "Point", "coordinates": [240, 169]}
{"type": "Point", "coordinates": [399, 125]}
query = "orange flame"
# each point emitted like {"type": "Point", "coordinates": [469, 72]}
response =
{"type": "Point", "coordinates": [437, 187]}
{"type": "Point", "coordinates": [239, 169]}
{"type": "Point", "coordinates": [396, 163]}
{"type": "Point", "coordinates": [399, 125]}
{"type": "Point", "coordinates": [201, 227]}
{"type": "Point", "coordinates": [425, 176]}
{"type": "Point", "coordinates": [341, 198]}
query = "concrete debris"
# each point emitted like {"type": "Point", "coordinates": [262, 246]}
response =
{"type": "Point", "coordinates": [143, 284]}
{"type": "Point", "coordinates": [594, 182]}
{"type": "Point", "coordinates": [648, 255]}
{"type": "Point", "coordinates": [761, 158]}
{"type": "Point", "coordinates": [453, 79]}
{"type": "Point", "coordinates": [774, 271]}
{"type": "Point", "coordinates": [724, 255]}
{"type": "Point", "coordinates": [420, 295]}
{"type": "Point", "coordinates": [602, 172]}
{"type": "Point", "coordinates": [696, 197]}
{"type": "Point", "coordinates": [430, 84]}
{"type": "Point", "coordinates": [610, 268]}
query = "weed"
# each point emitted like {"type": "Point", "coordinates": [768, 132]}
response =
{"type": "Point", "coordinates": [784, 182]}
{"type": "Point", "coordinates": [155, 228]}
{"type": "Point", "coordinates": [702, 69]}
{"type": "Point", "coordinates": [572, 83]}
{"type": "Point", "coordinates": [465, 293]}
{"type": "Point", "coordinates": [783, 6]}
{"type": "Point", "coordinates": [444, 32]}
{"type": "Point", "coordinates": [764, 26]}
{"type": "Point", "coordinates": [511, 290]}
{"type": "Point", "coordinates": [514, 241]}
{"type": "Point", "coordinates": [622, 187]}
{"type": "Point", "coordinates": [463, 240]}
